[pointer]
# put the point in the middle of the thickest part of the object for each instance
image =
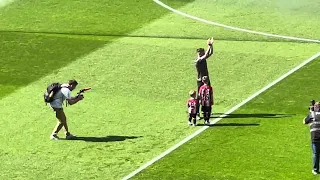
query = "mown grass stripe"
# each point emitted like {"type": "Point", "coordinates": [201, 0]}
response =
{"type": "Point", "coordinates": [220, 117]}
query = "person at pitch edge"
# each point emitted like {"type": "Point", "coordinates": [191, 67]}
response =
{"type": "Point", "coordinates": [313, 119]}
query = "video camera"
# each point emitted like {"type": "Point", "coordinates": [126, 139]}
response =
{"type": "Point", "coordinates": [80, 93]}
{"type": "Point", "coordinates": [312, 102]}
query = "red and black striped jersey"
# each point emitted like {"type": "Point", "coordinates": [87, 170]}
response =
{"type": "Point", "coordinates": [206, 95]}
{"type": "Point", "coordinates": [192, 105]}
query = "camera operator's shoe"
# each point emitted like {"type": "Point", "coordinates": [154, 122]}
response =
{"type": "Point", "coordinates": [54, 137]}
{"type": "Point", "coordinates": [70, 137]}
{"type": "Point", "coordinates": [315, 172]}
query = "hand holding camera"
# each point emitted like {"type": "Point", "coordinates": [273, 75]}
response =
{"type": "Point", "coordinates": [80, 96]}
{"type": "Point", "coordinates": [80, 93]}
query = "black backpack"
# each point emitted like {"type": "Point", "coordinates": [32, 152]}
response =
{"type": "Point", "coordinates": [52, 89]}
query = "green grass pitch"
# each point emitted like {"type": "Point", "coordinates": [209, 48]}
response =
{"type": "Point", "coordinates": [138, 58]}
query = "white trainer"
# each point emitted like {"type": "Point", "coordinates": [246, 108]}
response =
{"type": "Point", "coordinates": [54, 137]}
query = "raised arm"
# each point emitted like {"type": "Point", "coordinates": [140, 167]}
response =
{"type": "Point", "coordinates": [209, 51]}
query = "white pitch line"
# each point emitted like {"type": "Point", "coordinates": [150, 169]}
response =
{"type": "Point", "coordinates": [231, 27]}
{"type": "Point", "coordinates": [220, 117]}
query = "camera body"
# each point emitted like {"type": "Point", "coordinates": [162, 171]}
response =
{"type": "Point", "coordinates": [80, 94]}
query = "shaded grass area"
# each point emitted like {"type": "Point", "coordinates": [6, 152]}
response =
{"type": "Point", "coordinates": [105, 16]}
{"type": "Point", "coordinates": [252, 148]}
{"type": "Point", "coordinates": [26, 57]}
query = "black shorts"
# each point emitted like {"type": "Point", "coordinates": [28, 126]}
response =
{"type": "Point", "coordinates": [57, 109]}
{"type": "Point", "coordinates": [206, 109]}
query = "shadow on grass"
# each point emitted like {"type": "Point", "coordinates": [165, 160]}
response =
{"type": "Point", "coordinates": [241, 39]}
{"type": "Point", "coordinates": [261, 115]}
{"type": "Point", "coordinates": [105, 139]}
{"type": "Point", "coordinates": [230, 124]}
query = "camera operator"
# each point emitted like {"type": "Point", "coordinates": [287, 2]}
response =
{"type": "Point", "coordinates": [64, 94]}
{"type": "Point", "coordinates": [313, 119]}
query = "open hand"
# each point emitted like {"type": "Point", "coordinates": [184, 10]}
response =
{"type": "Point", "coordinates": [210, 41]}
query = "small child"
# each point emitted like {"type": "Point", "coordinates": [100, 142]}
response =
{"type": "Point", "coordinates": [206, 99]}
{"type": "Point", "coordinates": [192, 104]}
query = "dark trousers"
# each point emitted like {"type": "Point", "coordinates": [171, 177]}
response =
{"type": "Point", "coordinates": [192, 117]}
{"type": "Point", "coordinates": [315, 155]}
{"type": "Point", "coordinates": [206, 110]}
{"type": "Point", "coordinates": [199, 84]}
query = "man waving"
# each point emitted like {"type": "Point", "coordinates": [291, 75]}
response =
{"type": "Point", "coordinates": [201, 66]}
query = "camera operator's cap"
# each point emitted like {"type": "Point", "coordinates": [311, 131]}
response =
{"type": "Point", "coordinates": [192, 92]}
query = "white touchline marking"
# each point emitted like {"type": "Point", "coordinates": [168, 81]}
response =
{"type": "Point", "coordinates": [220, 117]}
{"type": "Point", "coordinates": [231, 27]}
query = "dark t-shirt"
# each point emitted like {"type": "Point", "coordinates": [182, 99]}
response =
{"type": "Point", "coordinates": [202, 68]}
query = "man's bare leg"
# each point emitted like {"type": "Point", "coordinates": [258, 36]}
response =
{"type": "Point", "coordinates": [58, 127]}
{"type": "Point", "coordinates": [62, 123]}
